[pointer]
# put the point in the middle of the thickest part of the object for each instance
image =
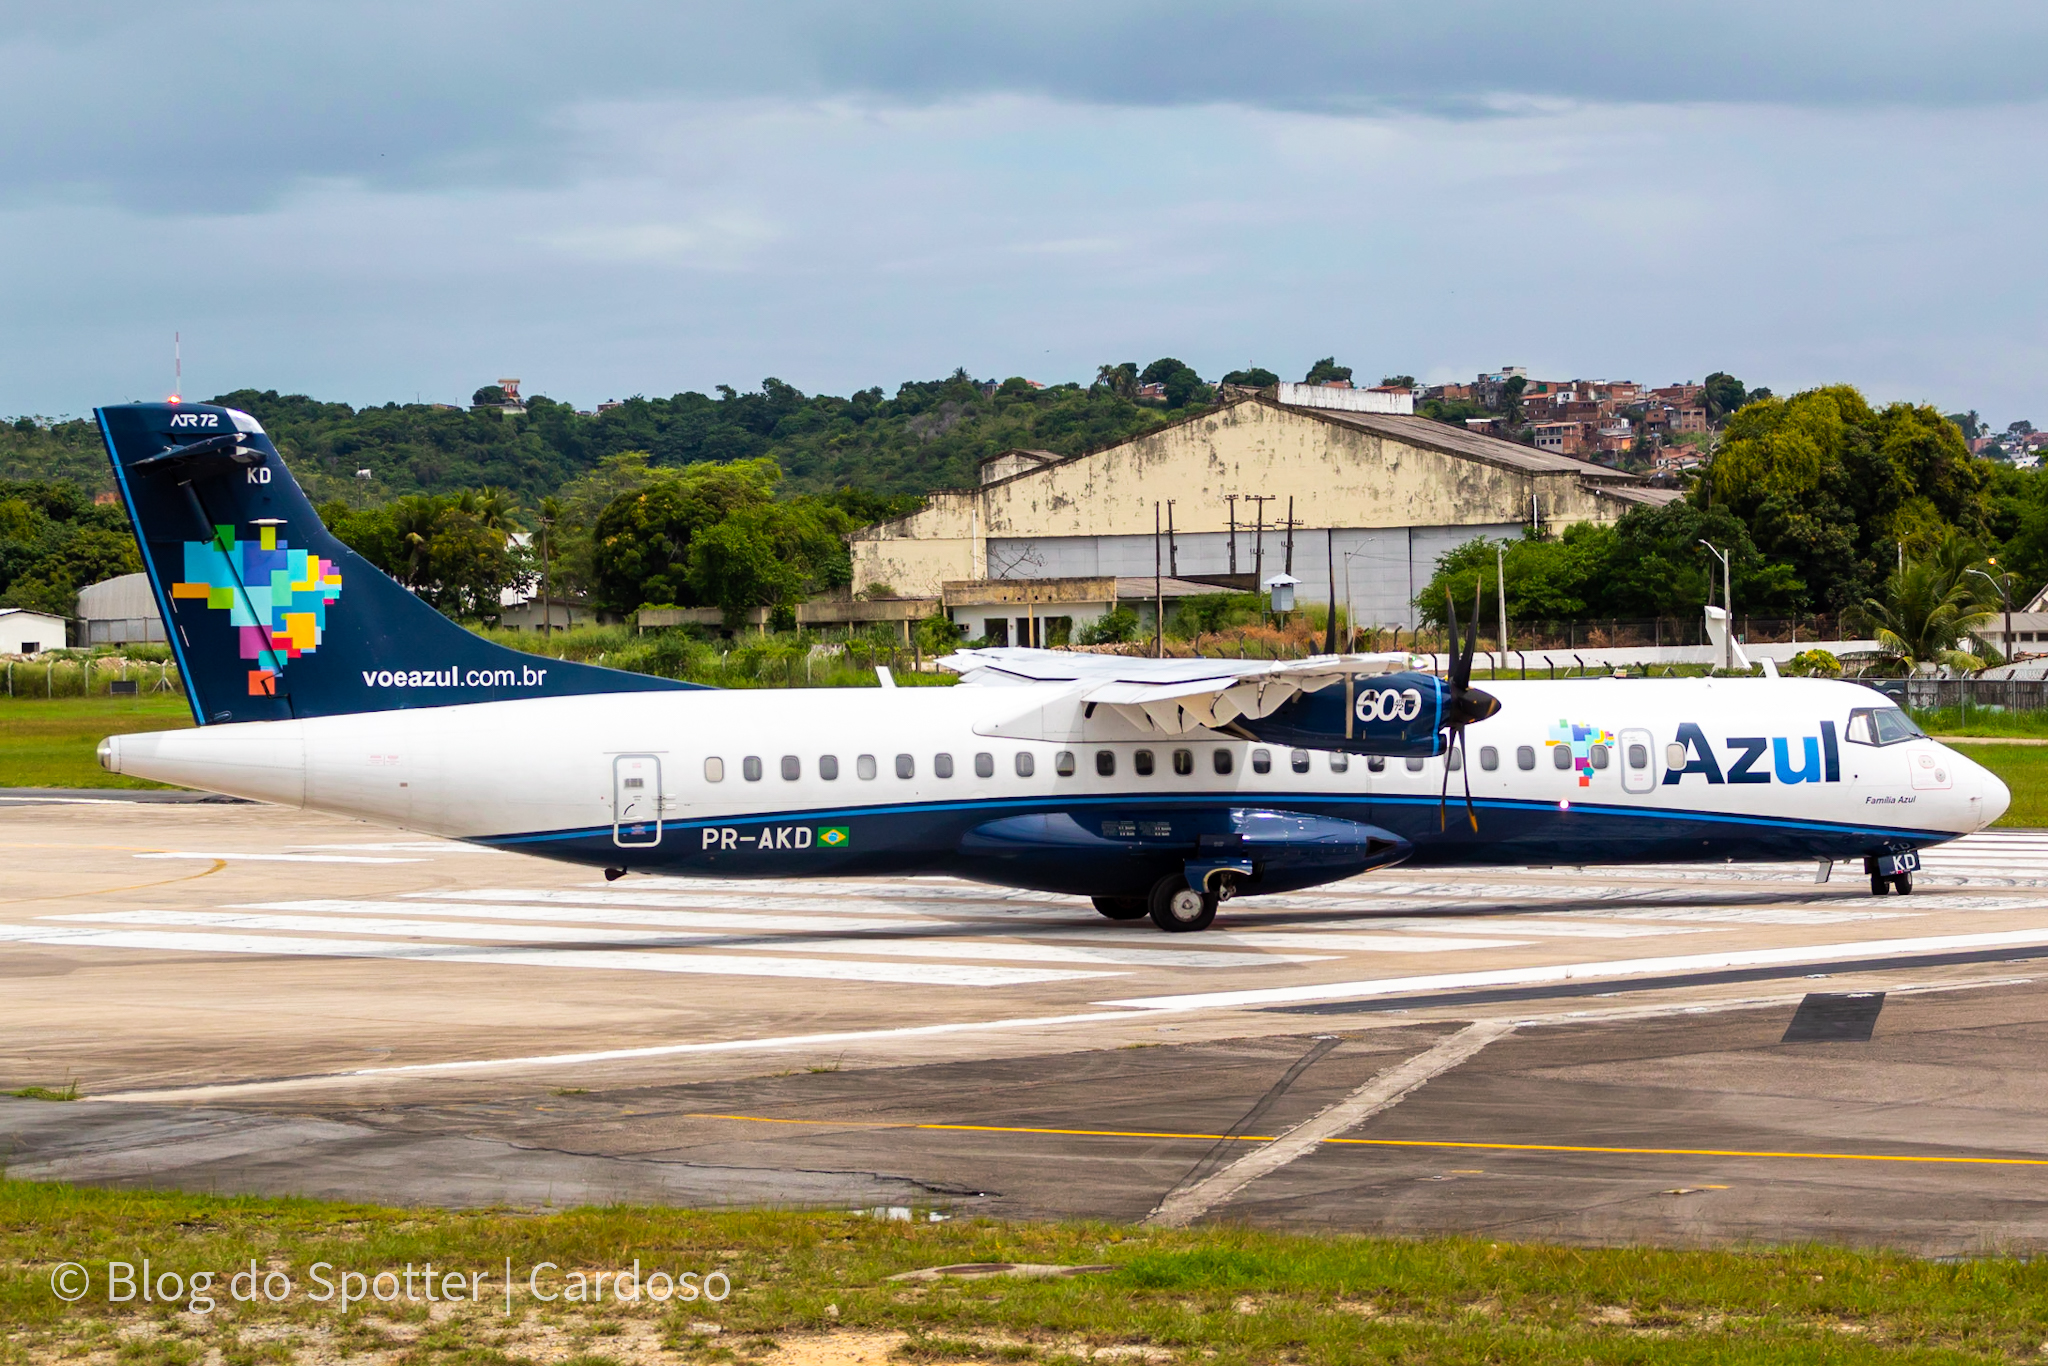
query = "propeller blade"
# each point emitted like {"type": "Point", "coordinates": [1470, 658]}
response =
{"type": "Point", "coordinates": [1444, 795]}
{"type": "Point", "coordinates": [1451, 653]}
{"type": "Point", "coordinates": [1466, 768]}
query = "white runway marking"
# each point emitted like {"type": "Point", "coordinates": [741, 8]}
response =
{"type": "Point", "coordinates": [286, 858]}
{"type": "Point", "coordinates": [1569, 972]}
{"type": "Point", "coordinates": [1357, 943]}
{"type": "Point", "coordinates": [731, 965]}
{"type": "Point", "coordinates": [982, 951]}
{"type": "Point", "coordinates": [1183, 1207]}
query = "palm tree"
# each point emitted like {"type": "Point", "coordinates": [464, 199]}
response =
{"type": "Point", "coordinates": [1929, 606]}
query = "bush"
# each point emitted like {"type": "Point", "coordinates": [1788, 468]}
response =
{"type": "Point", "coordinates": [1814, 664]}
{"type": "Point", "coordinates": [1115, 628]}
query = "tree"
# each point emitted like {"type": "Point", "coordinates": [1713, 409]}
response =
{"type": "Point", "coordinates": [1254, 377]}
{"type": "Point", "coordinates": [1158, 371]}
{"type": "Point", "coordinates": [1723, 394]}
{"type": "Point", "coordinates": [1121, 380]}
{"type": "Point", "coordinates": [1972, 426]}
{"type": "Point", "coordinates": [769, 555]}
{"type": "Point", "coordinates": [1326, 371]}
{"type": "Point", "coordinates": [1833, 487]}
{"type": "Point", "coordinates": [1928, 607]}
{"type": "Point", "coordinates": [490, 395]}
{"type": "Point", "coordinates": [1398, 381]}
{"type": "Point", "coordinates": [641, 541]}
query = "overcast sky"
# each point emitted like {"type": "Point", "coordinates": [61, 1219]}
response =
{"type": "Point", "coordinates": [375, 201]}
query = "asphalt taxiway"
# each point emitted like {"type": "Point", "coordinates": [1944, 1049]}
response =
{"type": "Point", "coordinates": [257, 999]}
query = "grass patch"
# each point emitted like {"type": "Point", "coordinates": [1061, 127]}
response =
{"type": "Point", "coordinates": [68, 1091]}
{"type": "Point", "coordinates": [2025, 770]}
{"type": "Point", "coordinates": [54, 742]}
{"type": "Point", "coordinates": [1231, 1294]}
{"type": "Point", "coordinates": [2031, 725]}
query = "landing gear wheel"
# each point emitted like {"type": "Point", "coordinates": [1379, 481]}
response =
{"type": "Point", "coordinates": [1179, 909]}
{"type": "Point", "coordinates": [1879, 885]}
{"type": "Point", "coordinates": [1903, 884]}
{"type": "Point", "coordinates": [1123, 907]}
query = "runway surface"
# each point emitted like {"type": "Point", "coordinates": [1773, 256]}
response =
{"type": "Point", "coordinates": [258, 999]}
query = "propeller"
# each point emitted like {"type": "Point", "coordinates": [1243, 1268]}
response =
{"type": "Point", "coordinates": [1465, 705]}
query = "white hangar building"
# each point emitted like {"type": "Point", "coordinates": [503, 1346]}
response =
{"type": "Point", "coordinates": [1383, 493]}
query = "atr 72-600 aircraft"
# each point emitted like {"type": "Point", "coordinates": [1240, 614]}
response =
{"type": "Point", "coordinates": [1155, 787]}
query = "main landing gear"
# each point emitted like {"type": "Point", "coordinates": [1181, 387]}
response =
{"type": "Point", "coordinates": [1123, 907]}
{"type": "Point", "coordinates": [1173, 905]}
{"type": "Point", "coordinates": [1178, 908]}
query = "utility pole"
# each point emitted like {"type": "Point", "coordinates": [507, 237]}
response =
{"type": "Point", "coordinates": [1330, 570]}
{"type": "Point", "coordinates": [547, 611]}
{"type": "Point", "coordinates": [1727, 606]}
{"type": "Point", "coordinates": [1172, 549]}
{"type": "Point", "coordinates": [1231, 498]}
{"type": "Point", "coordinates": [1500, 571]}
{"type": "Point", "coordinates": [1158, 592]}
{"type": "Point", "coordinates": [1289, 568]}
{"type": "Point", "coordinates": [1259, 540]}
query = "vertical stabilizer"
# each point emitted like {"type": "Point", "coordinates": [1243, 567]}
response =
{"type": "Point", "coordinates": [269, 615]}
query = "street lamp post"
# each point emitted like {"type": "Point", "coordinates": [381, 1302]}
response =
{"type": "Point", "coordinates": [2003, 583]}
{"type": "Point", "coordinates": [1727, 606]}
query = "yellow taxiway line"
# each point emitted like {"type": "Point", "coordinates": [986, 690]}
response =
{"type": "Point", "coordinates": [1398, 1142]}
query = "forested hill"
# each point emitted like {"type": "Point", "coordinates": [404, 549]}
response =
{"type": "Point", "coordinates": [929, 435]}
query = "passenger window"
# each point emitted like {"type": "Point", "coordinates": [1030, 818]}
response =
{"type": "Point", "coordinates": [1339, 763]}
{"type": "Point", "coordinates": [1600, 754]}
{"type": "Point", "coordinates": [1183, 762]}
{"type": "Point", "coordinates": [1638, 756]}
{"type": "Point", "coordinates": [714, 770]}
{"type": "Point", "coordinates": [906, 767]}
{"type": "Point", "coordinates": [1674, 755]}
{"type": "Point", "coordinates": [1560, 757]}
{"type": "Point", "coordinates": [1454, 759]}
{"type": "Point", "coordinates": [865, 766]}
{"type": "Point", "coordinates": [1415, 765]}
{"type": "Point", "coordinates": [1026, 765]}
{"type": "Point", "coordinates": [792, 768]}
{"type": "Point", "coordinates": [1142, 762]}
{"type": "Point", "coordinates": [1063, 763]}
{"type": "Point", "coordinates": [984, 765]}
{"type": "Point", "coordinates": [750, 768]}
{"type": "Point", "coordinates": [1489, 758]}
{"type": "Point", "coordinates": [1105, 762]}
{"type": "Point", "coordinates": [1222, 761]}
{"type": "Point", "coordinates": [828, 767]}
{"type": "Point", "coordinates": [1525, 757]}
{"type": "Point", "coordinates": [1376, 763]}
{"type": "Point", "coordinates": [942, 766]}
{"type": "Point", "coordinates": [1262, 761]}
{"type": "Point", "coordinates": [1298, 761]}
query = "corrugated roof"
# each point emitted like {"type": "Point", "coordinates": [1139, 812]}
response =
{"type": "Point", "coordinates": [1432, 435]}
{"type": "Point", "coordinates": [1642, 493]}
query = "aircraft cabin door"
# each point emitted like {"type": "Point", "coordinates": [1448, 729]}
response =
{"type": "Point", "coordinates": [1638, 762]}
{"type": "Point", "coordinates": [636, 801]}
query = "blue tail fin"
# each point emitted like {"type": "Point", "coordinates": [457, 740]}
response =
{"type": "Point", "coordinates": [272, 618]}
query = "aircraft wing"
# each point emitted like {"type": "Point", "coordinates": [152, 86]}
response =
{"type": "Point", "coordinates": [1175, 696]}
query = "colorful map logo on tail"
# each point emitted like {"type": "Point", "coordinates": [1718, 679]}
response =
{"type": "Point", "coordinates": [1580, 739]}
{"type": "Point", "coordinates": [276, 596]}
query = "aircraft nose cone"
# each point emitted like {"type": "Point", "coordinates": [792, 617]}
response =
{"type": "Point", "coordinates": [1997, 797]}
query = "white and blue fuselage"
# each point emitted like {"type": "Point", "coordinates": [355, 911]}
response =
{"type": "Point", "coordinates": [820, 782]}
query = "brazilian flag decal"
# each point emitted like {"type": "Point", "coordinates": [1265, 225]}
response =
{"type": "Point", "coordinates": [834, 837]}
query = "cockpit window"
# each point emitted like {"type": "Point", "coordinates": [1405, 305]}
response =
{"type": "Point", "coordinates": [1881, 726]}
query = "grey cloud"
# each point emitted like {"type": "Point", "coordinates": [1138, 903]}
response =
{"type": "Point", "coordinates": [220, 107]}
